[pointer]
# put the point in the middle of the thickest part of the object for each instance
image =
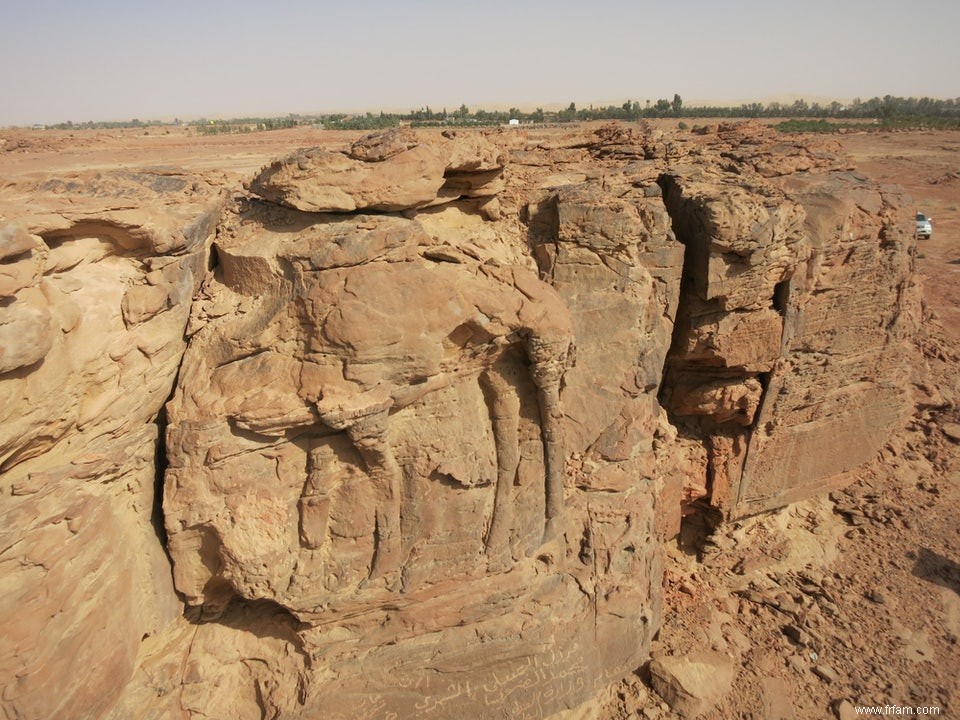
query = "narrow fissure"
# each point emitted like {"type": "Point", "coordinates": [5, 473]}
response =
{"type": "Point", "coordinates": [781, 297]}
{"type": "Point", "coordinates": [692, 514]}
{"type": "Point", "coordinates": [160, 459]}
{"type": "Point", "coordinates": [693, 381]}
{"type": "Point", "coordinates": [160, 470]}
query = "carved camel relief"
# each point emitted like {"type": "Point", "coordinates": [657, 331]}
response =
{"type": "Point", "coordinates": [378, 336]}
{"type": "Point", "coordinates": [484, 315]}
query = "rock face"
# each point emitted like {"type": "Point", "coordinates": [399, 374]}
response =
{"type": "Point", "coordinates": [786, 338]}
{"type": "Point", "coordinates": [398, 478]}
{"type": "Point", "coordinates": [435, 413]}
{"type": "Point", "coordinates": [95, 298]}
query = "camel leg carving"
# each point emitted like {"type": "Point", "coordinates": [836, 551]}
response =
{"type": "Point", "coordinates": [369, 436]}
{"type": "Point", "coordinates": [314, 505]}
{"type": "Point", "coordinates": [540, 328]}
{"type": "Point", "coordinates": [499, 386]}
{"type": "Point", "coordinates": [549, 361]}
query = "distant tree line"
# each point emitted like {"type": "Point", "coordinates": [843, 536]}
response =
{"type": "Point", "coordinates": [888, 111]}
{"type": "Point", "coordinates": [112, 125]}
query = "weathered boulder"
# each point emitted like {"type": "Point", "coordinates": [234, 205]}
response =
{"type": "Point", "coordinates": [694, 682]}
{"type": "Point", "coordinates": [391, 171]}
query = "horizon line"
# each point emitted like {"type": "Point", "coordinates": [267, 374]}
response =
{"type": "Point", "coordinates": [786, 98]}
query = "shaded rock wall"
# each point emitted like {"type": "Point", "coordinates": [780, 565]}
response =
{"type": "Point", "coordinates": [434, 411]}
{"type": "Point", "coordinates": [793, 329]}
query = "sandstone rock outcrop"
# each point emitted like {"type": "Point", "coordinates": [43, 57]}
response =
{"type": "Point", "coordinates": [434, 412]}
{"type": "Point", "coordinates": [768, 359]}
{"type": "Point", "coordinates": [396, 170]}
{"type": "Point", "coordinates": [95, 298]}
{"type": "Point", "coordinates": [400, 472]}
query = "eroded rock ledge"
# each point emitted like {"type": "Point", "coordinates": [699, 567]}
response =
{"type": "Point", "coordinates": [437, 400]}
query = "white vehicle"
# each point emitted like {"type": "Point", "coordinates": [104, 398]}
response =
{"type": "Point", "coordinates": [924, 226]}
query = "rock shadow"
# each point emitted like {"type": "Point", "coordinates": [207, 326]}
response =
{"type": "Point", "coordinates": [935, 568]}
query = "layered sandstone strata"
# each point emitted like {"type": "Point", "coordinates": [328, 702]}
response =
{"type": "Point", "coordinates": [375, 437]}
{"type": "Point", "coordinates": [440, 401]}
{"type": "Point", "coordinates": [97, 275]}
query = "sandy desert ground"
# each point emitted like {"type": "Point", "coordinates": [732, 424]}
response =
{"type": "Point", "coordinates": [851, 599]}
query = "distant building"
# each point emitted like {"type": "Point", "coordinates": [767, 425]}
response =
{"type": "Point", "coordinates": [514, 121]}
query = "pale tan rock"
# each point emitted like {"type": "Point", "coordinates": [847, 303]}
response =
{"type": "Point", "coordinates": [844, 710]}
{"type": "Point", "coordinates": [749, 340]}
{"type": "Point", "coordinates": [951, 430]}
{"type": "Point", "coordinates": [377, 147]}
{"type": "Point", "coordinates": [419, 465]}
{"type": "Point", "coordinates": [722, 400]}
{"type": "Point", "coordinates": [14, 240]}
{"type": "Point", "coordinates": [776, 699]}
{"type": "Point", "coordinates": [318, 180]}
{"type": "Point", "coordinates": [406, 384]}
{"type": "Point", "coordinates": [89, 605]}
{"type": "Point", "coordinates": [692, 683]}
{"type": "Point", "coordinates": [18, 275]}
{"type": "Point", "coordinates": [363, 363]}
{"type": "Point", "coordinates": [84, 573]}
{"type": "Point", "coordinates": [26, 335]}
{"type": "Point", "coordinates": [21, 259]}
{"type": "Point", "coordinates": [765, 269]}
{"type": "Point", "coordinates": [142, 302]}
{"type": "Point", "coordinates": [472, 152]}
{"type": "Point", "coordinates": [845, 356]}
{"type": "Point", "coordinates": [390, 171]}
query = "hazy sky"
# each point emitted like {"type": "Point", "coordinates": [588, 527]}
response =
{"type": "Point", "coordinates": [107, 59]}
